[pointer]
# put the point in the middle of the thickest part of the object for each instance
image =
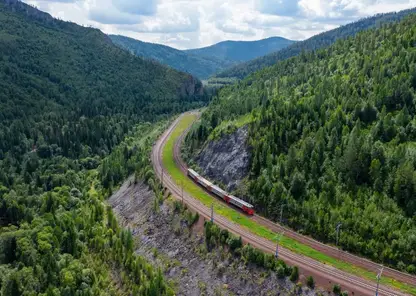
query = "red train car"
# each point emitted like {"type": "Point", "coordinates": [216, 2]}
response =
{"type": "Point", "coordinates": [231, 199]}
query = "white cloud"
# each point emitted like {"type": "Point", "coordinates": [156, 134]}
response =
{"type": "Point", "coordinates": [197, 23]}
{"type": "Point", "coordinates": [171, 18]}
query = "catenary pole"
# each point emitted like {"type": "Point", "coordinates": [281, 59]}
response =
{"type": "Point", "coordinates": [277, 244]}
{"type": "Point", "coordinates": [378, 279]}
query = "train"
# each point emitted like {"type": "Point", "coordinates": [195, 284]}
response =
{"type": "Point", "coordinates": [228, 198]}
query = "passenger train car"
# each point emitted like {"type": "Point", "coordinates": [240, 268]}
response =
{"type": "Point", "coordinates": [231, 199]}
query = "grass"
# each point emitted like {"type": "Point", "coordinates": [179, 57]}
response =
{"type": "Point", "coordinates": [235, 216]}
{"type": "Point", "coordinates": [230, 126]}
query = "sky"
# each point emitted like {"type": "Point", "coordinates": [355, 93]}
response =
{"type": "Point", "coordinates": [185, 24]}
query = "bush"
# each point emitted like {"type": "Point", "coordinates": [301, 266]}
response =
{"type": "Point", "coordinates": [310, 282]}
{"type": "Point", "coordinates": [281, 272]}
{"type": "Point", "coordinates": [224, 234]}
{"type": "Point", "coordinates": [177, 206]}
{"type": "Point", "coordinates": [411, 269]}
{"type": "Point", "coordinates": [288, 270]}
{"type": "Point", "coordinates": [345, 293]}
{"type": "Point", "coordinates": [336, 289]}
{"type": "Point", "coordinates": [192, 218]}
{"type": "Point", "coordinates": [294, 276]}
{"type": "Point", "coordinates": [234, 242]}
{"type": "Point", "coordinates": [269, 261]}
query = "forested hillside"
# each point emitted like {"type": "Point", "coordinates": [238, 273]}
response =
{"type": "Point", "coordinates": [241, 51]}
{"type": "Point", "coordinates": [202, 62]}
{"type": "Point", "coordinates": [199, 66]}
{"type": "Point", "coordinates": [332, 135]}
{"type": "Point", "coordinates": [68, 98]}
{"type": "Point", "coordinates": [316, 42]}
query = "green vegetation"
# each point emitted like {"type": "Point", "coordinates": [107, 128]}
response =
{"type": "Point", "coordinates": [336, 289]}
{"type": "Point", "coordinates": [235, 216]}
{"type": "Point", "coordinates": [215, 237]}
{"type": "Point", "coordinates": [72, 113]}
{"type": "Point", "coordinates": [65, 241]}
{"type": "Point", "coordinates": [199, 66]}
{"type": "Point", "coordinates": [203, 62]}
{"type": "Point", "coordinates": [332, 140]}
{"type": "Point", "coordinates": [294, 276]}
{"type": "Point", "coordinates": [310, 282]}
{"type": "Point", "coordinates": [319, 41]}
{"type": "Point", "coordinates": [241, 51]}
{"type": "Point", "coordinates": [66, 90]}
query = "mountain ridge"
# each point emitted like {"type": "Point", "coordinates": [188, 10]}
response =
{"type": "Point", "coordinates": [318, 41]}
{"type": "Point", "coordinates": [229, 49]}
{"type": "Point", "coordinates": [201, 62]}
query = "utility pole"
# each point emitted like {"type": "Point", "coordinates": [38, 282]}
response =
{"type": "Point", "coordinates": [338, 229]}
{"type": "Point", "coordinates": [212, 213]}
{"type": "Point", "coordinates": [277, 244]}
{"type": "Point", "coordinates": [281, 213]}
{"type": "Point", "coordinates": [378, 278]}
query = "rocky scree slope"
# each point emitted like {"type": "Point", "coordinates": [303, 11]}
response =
{"type": "Point", "coordinates": [164, 237]}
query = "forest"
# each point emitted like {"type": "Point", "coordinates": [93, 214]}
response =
{"type": "Point", "coordinates": [77, 116]}
{"type": "Point", "coordinates": [316, 42]}
{"type": "Point", "coordinates": [200, 66]}
{"type": "Point", "coordinates": [332, 136]}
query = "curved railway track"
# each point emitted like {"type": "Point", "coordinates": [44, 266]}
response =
{"type": "Point", "coordinates": [325, 275]}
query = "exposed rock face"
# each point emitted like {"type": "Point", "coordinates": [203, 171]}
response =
{"type": "Point", "coordinates": [226, 160]}
{"type": "Point", "coordinates": [192, 87]}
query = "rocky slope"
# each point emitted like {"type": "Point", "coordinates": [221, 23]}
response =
{"type": "Point", "coordinates": [163, 237]}
{"type": "Point", "coordinates": [227, 159]}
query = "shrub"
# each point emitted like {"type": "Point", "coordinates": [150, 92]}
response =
{"type": "Point", "coordinates": [269, 261]}
{"type": "Point", "coordinates": [336, 289]}
{"type": "Point", "coordinates": [234, 242]}
{"type": "Point", "coordinates": [411, 269]}
{"type": "Point", "coordinates": [310, 282]}
{"type": "Point", "coordinates": [294, 276]}
{"type": "Point", "coordinates": [224, 236]}
{"type": "Point", "coordinates": [281, 272]}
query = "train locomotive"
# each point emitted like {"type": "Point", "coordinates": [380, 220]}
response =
{"type": "Point", "coordinates": [230, 199]}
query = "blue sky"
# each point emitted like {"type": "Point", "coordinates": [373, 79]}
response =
{"type": "Point", "coordinates": [191, 24]}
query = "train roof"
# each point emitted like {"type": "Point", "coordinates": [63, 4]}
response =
{"type": "Point", "coordinates": [219, 189]}
{"type": "Point", "coordinates": [241, 201]}
{"type": "Point", "coordinates": [193, 172]}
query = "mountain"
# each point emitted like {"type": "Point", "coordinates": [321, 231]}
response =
{"type": "Point", "coordinates": [316, 42]}
{"type": "Point", "coordinates": [331, 137]}
{"type": "Point", "coordinates": [241, 51]}
{"type": "Point", "coordinates": [77, 116]}
{"type": "Point", "coordinates": [201, 67]}
{"type": "Point", "coordinates": [203, 62]}
{"type": "Point", "coordinates": [53, 67]}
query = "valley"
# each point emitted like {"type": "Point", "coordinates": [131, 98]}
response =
{"type": "Point", "coordinates": [100, 133]}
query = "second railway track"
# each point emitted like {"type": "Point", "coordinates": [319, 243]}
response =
{"type": "Point", "coordinates": [322, 272]}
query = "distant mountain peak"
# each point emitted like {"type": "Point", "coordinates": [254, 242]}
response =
{"type": "Point", "coordinates": [241, 51]}
{"type": "Point", "coordinates": [202, 62]}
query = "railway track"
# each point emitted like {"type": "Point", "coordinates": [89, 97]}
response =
{"type": "Point", "coordinates": [325, 275]}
